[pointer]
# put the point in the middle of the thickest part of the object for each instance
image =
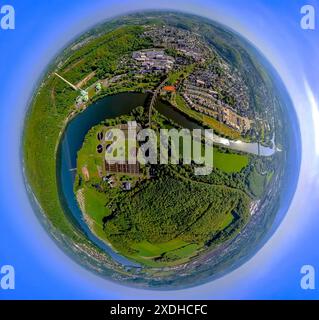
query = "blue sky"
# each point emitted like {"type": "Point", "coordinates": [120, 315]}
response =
{"type": "Point", "coordinates": [42, 29]}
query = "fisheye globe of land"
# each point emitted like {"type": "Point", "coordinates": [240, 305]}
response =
{"type": "Point", "coordinates": [139, 87]}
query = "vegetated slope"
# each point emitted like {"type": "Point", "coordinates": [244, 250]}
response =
{"type": "Point", "coordinates": [171, 208]}
{"type": "Point", "coordinates": [169, 218]}
{"type": "Point", "coordinates": [50, 109]}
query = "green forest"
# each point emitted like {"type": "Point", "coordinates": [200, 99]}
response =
{"type": "Point", "coordinates": [49, 113]}
{"type": "Point", "coordinates": [167, 217]}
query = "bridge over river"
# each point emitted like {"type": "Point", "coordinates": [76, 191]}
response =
{"type": "Point", "coordinates": [153, 101]}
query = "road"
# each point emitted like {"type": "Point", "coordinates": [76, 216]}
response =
{"type": "Point", "coordinates": [155, 94]}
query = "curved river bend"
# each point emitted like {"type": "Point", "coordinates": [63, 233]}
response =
{"type": "Point", "coordinates": [73, 138]}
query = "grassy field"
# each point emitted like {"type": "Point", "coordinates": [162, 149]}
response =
{"type": "Point", "coordinates": [95, 210]}
{"type": "Point", "coordinates": [229, 162]}
{"type": "Point", "coordinates": [257, 183]}
{"type": "Point", "coordinates": [185, 251]}
{"type": "Point", "coordinates": [95, 205]}
{"type": "Point", "coordinates": [88, 156]}
{"type": "Point", "coordinates": [175, 251]}
{"type": "Point", "coordinates": [147, 252]}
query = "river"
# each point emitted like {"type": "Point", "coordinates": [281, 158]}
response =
{"type": "Point", "coordinates": [71, 143]}
{"type": "Point", "coordinates": [73, 137]}
{"type": "Point", "coordinates": [253, 148]}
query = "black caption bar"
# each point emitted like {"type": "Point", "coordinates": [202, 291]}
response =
{"type": "Point", "coordinates": [99, 310]}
